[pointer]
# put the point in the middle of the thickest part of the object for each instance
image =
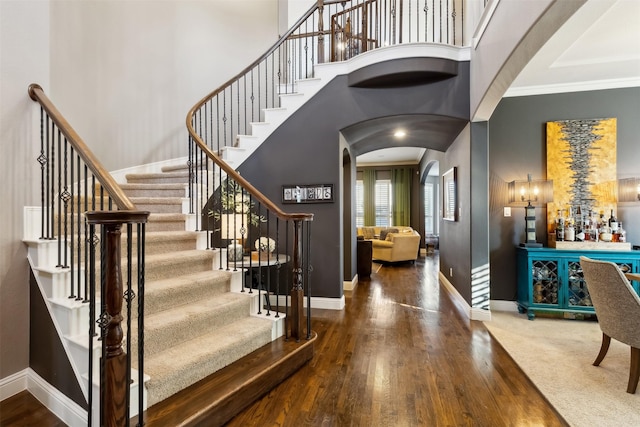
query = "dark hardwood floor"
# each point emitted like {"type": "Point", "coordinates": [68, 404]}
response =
{"type": "Point", "coordinates": [400, 354]}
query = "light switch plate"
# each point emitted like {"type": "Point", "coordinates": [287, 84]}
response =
{"type": "Point", "coordinates": [507, 211]}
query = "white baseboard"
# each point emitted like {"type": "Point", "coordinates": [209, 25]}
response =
{"type": "Point", "coordinates": [64, 408]}
{"type": "Point", "coordinates": [13, 384]}
{"type": "Point", "coordinates": [501, 305]}
{"type": "Point", "coordinates": [472, 313]}
{"type": "Point", "coordinates": [350, 285]}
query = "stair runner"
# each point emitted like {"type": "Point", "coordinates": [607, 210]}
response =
{"type": "Point", "coordinates": [194, 324]}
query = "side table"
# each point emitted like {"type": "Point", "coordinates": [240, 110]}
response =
{"type": "Point", "coordinates": [364, 251]}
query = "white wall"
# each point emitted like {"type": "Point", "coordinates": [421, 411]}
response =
{"type": "Point", "coordinates": [24, 59]}
{"type": "Point", "coordinates": [125, 73]}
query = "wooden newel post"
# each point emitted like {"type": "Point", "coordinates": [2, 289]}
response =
{"type": "Point", "coordinates": [297, 292]}
{"type": "Point", "coordinates": [113, 391]}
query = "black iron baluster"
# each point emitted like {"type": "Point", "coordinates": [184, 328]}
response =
{"type": "Point", "coordinates": [59, 193]}
{"type": "Point", "coordinates": [191, 148]}
{"type": "Point", "coordinates": [66, 196]}
{"type": "Point", "coordinates": [74, 236]}
{"type": "Point", "coordinates": [42, 159]}
{"type": "Point", "coordinates": [440, 18]}
{"type": "Point", "coordinates": [86, 235]}
{"type": "Point", "coordinates": [51, 156]}
{"type": "Point", "coordinates": [141, 282]}
{"type": "Point", "coordinates": [129, 295]}
{"type": "Point", "coordinates": [78, 221]}
{"type": "Point", "coordinates": [447, 21]}
{"type": "Point", "coordinates": [92, 313]}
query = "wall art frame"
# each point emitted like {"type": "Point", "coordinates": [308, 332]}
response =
{"type": "Point", "coordinates": [312, 193]}
{"type": "Point", "coordinates": [450, 195]}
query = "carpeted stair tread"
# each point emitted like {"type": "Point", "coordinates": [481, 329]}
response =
{"type": "Point", "coordinates": [165, 265]}
{"type": "Point", "coordinates": [169, 241]}
{"type": "Point", "coordinates": [178, 367]}
{"type": "Point", "coordinates": [157, 200]}
{"type": "Point", "coordinates": [159, 204]}
{"type": "Point", "coordinates": [173, 327]}
{"type": "Point", "coordinates": [162, 217]}
{"type": "Point", "coordinates": [177, 291]}
{"type": "Point", "coordinates": [166, 222]}
{"type": "Point", "coordinates": [161, 190]}
{"type": "Point", "coordinates": [174, 168]}
{"type": "Point", "coordinates": [159, 178]}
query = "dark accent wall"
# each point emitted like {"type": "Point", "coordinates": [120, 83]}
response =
{"type": "Point", "coordinates": [46, 353]}
{"type": "Point", "coordinates": [455, 242]}
{"type": "Point", "coordinates": [306, 150]}
{"type": "Point", "coordinates": [518, 146]}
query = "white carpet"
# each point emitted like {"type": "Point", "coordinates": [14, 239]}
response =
{"type": "Point", "coordinates": [557, 355]}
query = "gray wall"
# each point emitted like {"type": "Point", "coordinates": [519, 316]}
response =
{"type": "Point", "coordinates": [518, 146]}
{"type": "Point", "coordinates": [455, 244]}
{"type": "Point", "coordinates": [518, 29]}
{"type": "Point", "coordinates": [306, 150]}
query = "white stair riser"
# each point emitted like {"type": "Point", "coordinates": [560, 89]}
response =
{"type": "Point", "coordinates": [292, 102]}
{"type": "Point", "coordinates": [72, 321]}
{"type": "Point", "coordinates": [80, 354]}
{"type": "Point", "coordinates": [43, 252]}
{"type": "Point", "coordinates": [262, 129]}
{"type": "Point", "coordinates": [275, 116]}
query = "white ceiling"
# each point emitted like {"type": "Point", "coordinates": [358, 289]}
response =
{"type": "Point", "coordinates": [598, 48]}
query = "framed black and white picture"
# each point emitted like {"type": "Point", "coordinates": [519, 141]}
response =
{"type": "Point", "coordinates": [450, 195]}
{"type": "Point", "coordinates": [314, 193]}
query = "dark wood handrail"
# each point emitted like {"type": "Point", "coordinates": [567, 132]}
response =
{"type": "Point", "coordinates": [223, 165]}
{"type": "Point", "coordinates": [250, 66]}
{"type": "Point", "coordinates": [104, 177]}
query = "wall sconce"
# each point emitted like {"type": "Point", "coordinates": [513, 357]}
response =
{"type": "Point", "coordinates": [532, 192]}
{"type": "Point", "coordinates": [629, 190]}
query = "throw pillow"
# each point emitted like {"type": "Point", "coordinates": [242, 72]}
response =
{"type": "Point", "coordinates": [368, 232]}
{"type": "Point", "coordinates": [386, 231]}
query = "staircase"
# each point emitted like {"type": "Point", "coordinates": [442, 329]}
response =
{"type": "Point", "coordinates": [197, 319]}
{"type": "Point", "coordinates": [194, 324]}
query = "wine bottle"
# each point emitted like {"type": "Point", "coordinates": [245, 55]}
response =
{"type": "Point", "coordinates": [613, 222]}
{"type": "Point", "coordinates": [559, 227]}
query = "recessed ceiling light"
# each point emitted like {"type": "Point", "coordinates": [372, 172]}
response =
{"type": "Point", "coordinates": [400, 133]}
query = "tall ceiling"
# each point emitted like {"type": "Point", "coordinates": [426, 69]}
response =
{"type": "Point", "coordinates": [598, 48]}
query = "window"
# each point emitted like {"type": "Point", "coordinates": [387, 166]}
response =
{"type": "Point", "coordinates": [383, 202]}
{"type": "Point", "coordinates": [359, 203]}
{"type": "Point", "coordinates": [428, 208]}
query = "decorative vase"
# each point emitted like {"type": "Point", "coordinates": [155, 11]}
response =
{"type": "Point", "coordinates": [235, 252]}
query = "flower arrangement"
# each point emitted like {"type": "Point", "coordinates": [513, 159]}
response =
{"type": "Point", "coordinates": [265, 244]}
{"type": "Point", "coordinates": [233, 200]}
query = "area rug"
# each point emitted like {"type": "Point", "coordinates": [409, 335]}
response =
{"type": "Point", "coordinates": [557, 355]}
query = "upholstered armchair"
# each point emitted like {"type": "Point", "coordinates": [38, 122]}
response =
{"type": "Point", "coordinates": [618, 309]}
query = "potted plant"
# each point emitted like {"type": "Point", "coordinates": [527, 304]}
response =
{"type": "Point", "coordinates": [233, 214]}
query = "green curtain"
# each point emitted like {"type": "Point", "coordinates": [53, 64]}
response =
{"type": "Point", "coordinates": [369, 183]}
{"type": "Point", "coordinates": [401, 184]}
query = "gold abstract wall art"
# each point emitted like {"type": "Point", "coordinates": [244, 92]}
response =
{"type": "Point", "coordinates": [581, 161]}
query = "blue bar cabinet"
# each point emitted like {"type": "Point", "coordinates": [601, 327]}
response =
{"type": "Point", "coordinates": [550, 280]}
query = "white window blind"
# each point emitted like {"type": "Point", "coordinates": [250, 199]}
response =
{"type": "Point", "coordinates": [383, 202]}
{"type": "Point", "coordinates": [359, 203]}
{"type": "Point", "coordinates": [428, 208]}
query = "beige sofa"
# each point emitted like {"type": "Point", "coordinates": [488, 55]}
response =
{"type": "Point", "coordinates": [401, 244]}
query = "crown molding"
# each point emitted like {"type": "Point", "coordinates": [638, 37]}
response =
{"type": "Point", "coordinates": [572, 87]}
